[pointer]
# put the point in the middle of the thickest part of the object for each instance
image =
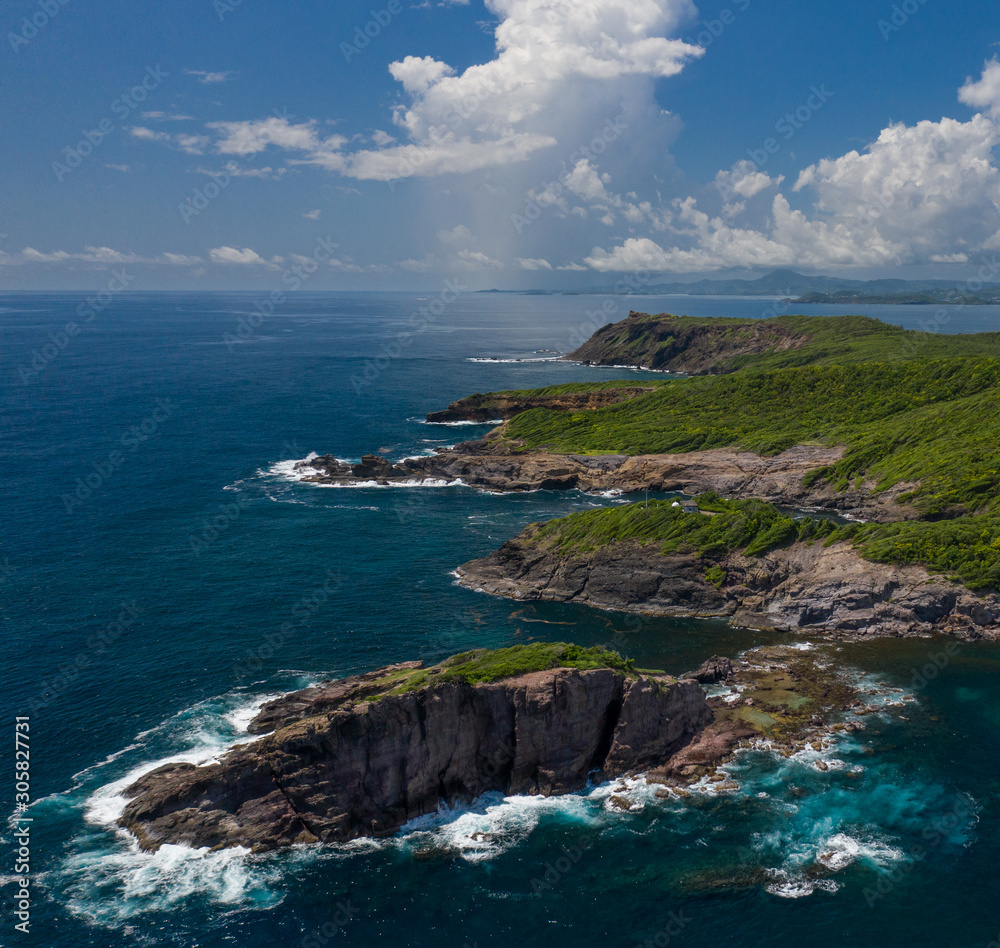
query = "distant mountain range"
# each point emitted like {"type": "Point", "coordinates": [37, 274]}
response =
{"type": "Point", "coordinates": [822, 289]}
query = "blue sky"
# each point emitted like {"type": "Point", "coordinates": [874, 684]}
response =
{"type": "Point", "coordinates": [511, 143]}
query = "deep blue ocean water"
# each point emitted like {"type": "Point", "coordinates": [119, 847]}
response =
{"type": "Point", "coordinates": [160, 574]}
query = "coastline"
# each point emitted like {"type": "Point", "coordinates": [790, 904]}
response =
{"type": "Point", "coordinates": [492, 465]}
{"type": "Point", "coordinates": [801, 588]}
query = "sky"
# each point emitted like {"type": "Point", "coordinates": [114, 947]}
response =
{"type": "Point", "coordinates": [554, 144]}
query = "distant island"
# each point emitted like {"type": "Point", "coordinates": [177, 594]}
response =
{"type": "Point", "coordinates": [798, 288]}
{"type": "Point", "coordinates": [934, 298]}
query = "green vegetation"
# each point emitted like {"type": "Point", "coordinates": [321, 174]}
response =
{"type": "Point", "coordinates": [965, 550]}
{"type": "Point", "coordinates": [933, 424]}
{"type": "Point", "coordinates": [748, 526]}
{"type": "Point", "coordinates": [722, 345]}
{"type": "Point", "coordinates": [484, 665]}
{"type": "Point", "coordinates": [569, 388]}
{"type": "Point", "coordinates": [914, 411]}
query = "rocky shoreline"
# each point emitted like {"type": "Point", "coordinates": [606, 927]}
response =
{"type": "Point", "coordinates": [797, 588]}
{"type": "Point", "coordinates": [495, 465]}
{"type": "Point", "coordinates": [357, 757]}
{"type": "Point", "coordinates": [801, 586]}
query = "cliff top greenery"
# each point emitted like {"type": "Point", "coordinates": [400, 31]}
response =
{"type": "Point", "coordinates": [934, 424]}
{"type": "Point", "coordinates": [916, 411]}
{"type": "Point", "coordinates": [639, 382]}
{"type": "Point", "coordinates": [965, 550]}
{"type": "Point", "coordinates": [748, 526]}
{"type": "Point", "coordinates": [486, 665]}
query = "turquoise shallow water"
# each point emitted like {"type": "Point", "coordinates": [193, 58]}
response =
{"type": "Point", "coordinates": [137, 620]}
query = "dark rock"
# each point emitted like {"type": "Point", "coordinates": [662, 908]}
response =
{"type": "Point", "coordinates": [373, 467]}
{"type": "Point", "coordinates": [343, 764]}
{"type": "Point", "coordinates": [799, 587]}
{"type": "Point", "coordinates": [714, 670]}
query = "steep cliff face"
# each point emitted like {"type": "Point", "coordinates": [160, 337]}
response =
{"type": "Point", "coordinates": [797, 588]}
{"type": "Point", "coordinates": [667, 344]}
{"type": "Point", "coordinates": [345, 763]}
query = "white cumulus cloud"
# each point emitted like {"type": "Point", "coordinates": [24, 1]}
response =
{"type": "Point", "coordinates": [923, 193]}
{"type": "Point", "coordinates": [984, 93]}
{"type": "Point", "coordinates": [244, 257]}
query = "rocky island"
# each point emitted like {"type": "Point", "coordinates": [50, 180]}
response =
{"type": "Point", "coordinates": [364, 755]}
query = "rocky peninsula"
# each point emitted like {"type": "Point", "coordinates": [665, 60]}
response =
{"type": "Point", "coordinates": [494, 464]}
{"type": "Point", "coordinates": [804, 587]}
{"type": "Point", "coordinates": [364, 755]}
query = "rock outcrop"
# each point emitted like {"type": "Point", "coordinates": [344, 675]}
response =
{"type": "Point", "coordinates": [355, 758]}
{"type": "Point", "coordinates": [494, 464]}
{"type": "Point", "coordinates": [800, 587]}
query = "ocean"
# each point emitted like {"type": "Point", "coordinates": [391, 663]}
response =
{"type": "Point", "coordinates": [162, 572]}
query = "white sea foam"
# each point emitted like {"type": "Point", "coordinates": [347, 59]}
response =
{"type": "Point", "coordinates": [105, 805]}
{"type": "Point", "coordinates": [462, 424]}
{"type": "Point", "coordinates": [292, 471]}
{"type": "Point", "coordinates": [109, 879]}
{"type": "Point", "coordinates": [839, 851]}
{"type": "Point", "coordinates": [800, 888]}
{"type": "Point", "coordinates": [514, 361]}
{"type": "Point", "coordinates": [241, 716]}
{"type": "Point", "coordinates": [494, 823]}
{"type": "Point", "coordinates": [108, 888]}
{"type": "Point", "coordinates": [630, 368]}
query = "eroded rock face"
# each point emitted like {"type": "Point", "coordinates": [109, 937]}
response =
{"type": "Point", "coordinates": [716, 669]}
{"type": "Point", "coordinates": [796, 588]}
{"type": "Point", "coordinates": [344, 764]}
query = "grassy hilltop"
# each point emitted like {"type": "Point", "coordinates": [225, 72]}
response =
{"type": "Point", "coordinates": [936, 423]}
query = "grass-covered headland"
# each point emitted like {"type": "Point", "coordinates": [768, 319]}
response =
{"type": "Point", "coordinates": [714, 345]}
{"type": "Point", "coordinates": [935, 424]}
{"type": "Point", "coordinates": [915, 411]}
{"type": "Point", "coordinates": [910, 408]}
